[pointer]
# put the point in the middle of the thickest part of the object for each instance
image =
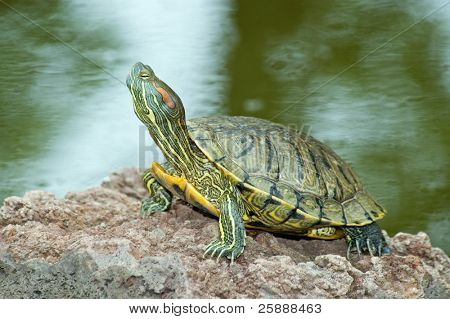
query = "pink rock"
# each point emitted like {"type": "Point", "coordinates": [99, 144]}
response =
{"type": "Point", "coordinates": [94, 244]}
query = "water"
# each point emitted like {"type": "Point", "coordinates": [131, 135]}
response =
{"type": "Point", "coordinates": [65, 123]}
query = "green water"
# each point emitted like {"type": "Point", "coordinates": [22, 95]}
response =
{"type": "Point", "coordinates": [371, 79]}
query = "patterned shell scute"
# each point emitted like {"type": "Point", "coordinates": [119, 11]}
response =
{"type": "Point", "coordinates": [286, 164]}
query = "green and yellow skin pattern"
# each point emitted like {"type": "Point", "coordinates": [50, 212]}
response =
{"type": "Point", "coordinates": [251, 173]}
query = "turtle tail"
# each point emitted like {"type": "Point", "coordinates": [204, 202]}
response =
{"type": "Point", "coordinates": [368, 237]}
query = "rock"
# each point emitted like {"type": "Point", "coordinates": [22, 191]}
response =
{"type": "Point", "coordinates": [94, 244]}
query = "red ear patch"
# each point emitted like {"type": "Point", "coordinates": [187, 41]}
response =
{"type": "Point", "coordinates": [166, 97]}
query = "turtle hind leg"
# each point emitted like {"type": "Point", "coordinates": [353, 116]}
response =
{"type": "Point", "coordinates": [368, 237]}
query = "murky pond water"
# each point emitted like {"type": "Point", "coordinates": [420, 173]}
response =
{"type": "Point", "coordinates": [371, 79]}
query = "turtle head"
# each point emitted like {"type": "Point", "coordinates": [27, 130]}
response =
{"type": "Point", "coordinates": [162, 112]}
{"type": "Point", "coordinates": [155, 103]}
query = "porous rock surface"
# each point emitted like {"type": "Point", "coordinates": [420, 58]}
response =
{"type": "Point", "coordinates": [94, 244]}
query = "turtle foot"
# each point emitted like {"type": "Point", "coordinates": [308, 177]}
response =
{"type": "Point", "coordinates": [219, 248]}
{"type": "Point", "coordinates": [154, 204]}
{"type": "Point", "coordinates": [366, 238]}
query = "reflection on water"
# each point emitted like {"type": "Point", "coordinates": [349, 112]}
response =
{"type": "Point", "coordinates": [65, 124]}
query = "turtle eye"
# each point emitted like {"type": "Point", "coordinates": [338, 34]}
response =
{"type": "Point", "coordinates": [144, 74]}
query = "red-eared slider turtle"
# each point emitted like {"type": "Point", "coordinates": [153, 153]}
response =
{"type": "Point", "coordinates": [251, 173]}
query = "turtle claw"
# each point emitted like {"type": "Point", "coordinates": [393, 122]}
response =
{"type": "Point", "coordinates": [152, 205]}
{"type": "Point", "coordinates": [157, 203]}
{"type": "Point", "coordinates": [359, 246]}
{"type": "Point", "coordinates": [212, 248]}
{"type": "Point", "coordinates": [220, 255]}
{"type": "Point", "coordinates": [354, 246]}
{"type": "Point", "coordinates": [373, 250]}
{"type": "Point", "coordinates": [366, 238]}
{"type": "Point", "coordinates": [223, 249]}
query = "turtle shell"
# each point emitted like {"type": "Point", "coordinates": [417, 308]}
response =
{"type": "Point", "coordinates": [291, 181]}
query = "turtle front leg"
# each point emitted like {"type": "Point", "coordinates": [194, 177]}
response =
{"type": "Point", "coordinates": [231, 241]}
{"type": "Point", "coordinates": [159, 199]}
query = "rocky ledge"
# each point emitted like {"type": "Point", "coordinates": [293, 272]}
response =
{"type": "Point", "coordinates": [94, 244]}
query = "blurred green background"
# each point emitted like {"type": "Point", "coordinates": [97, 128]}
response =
{"type": "Point", "coordinates": [65, 123]}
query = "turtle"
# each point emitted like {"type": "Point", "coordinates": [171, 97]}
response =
{"type": "Point", "coordinates": [251, 173]}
